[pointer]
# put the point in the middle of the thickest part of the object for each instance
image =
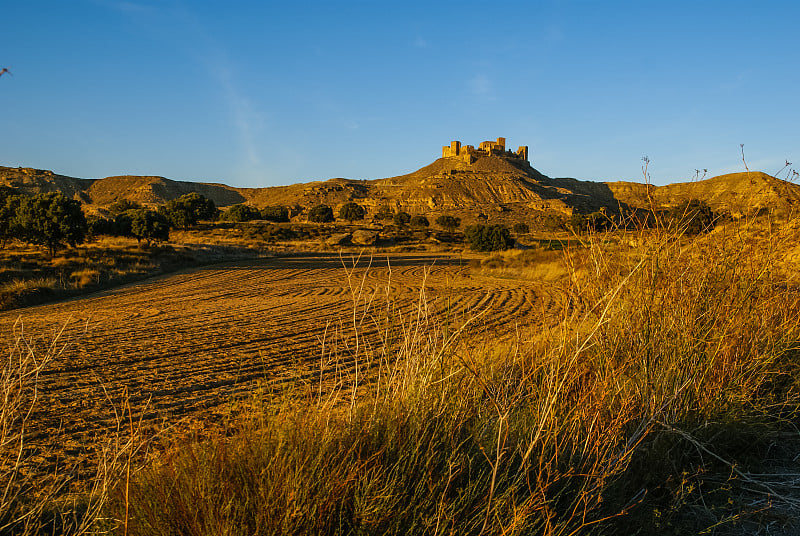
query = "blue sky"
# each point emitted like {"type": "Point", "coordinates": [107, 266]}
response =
{"type": "Point", "coordinates": [271, 93]}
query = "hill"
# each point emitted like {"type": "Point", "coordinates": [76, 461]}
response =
{"type": "Point", "coordinates": [494, 183]}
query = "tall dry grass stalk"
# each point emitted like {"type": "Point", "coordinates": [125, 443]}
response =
{"type": "Point", "coordinates": [419, 424]}
{"type": "Point", "coordinates": [35, 497]}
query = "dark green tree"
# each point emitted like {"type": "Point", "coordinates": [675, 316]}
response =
{"type": "Point", "coordinates": [148, 226]}
{"type": "Point", "coordinates": [351, 212]}
{"type": "Point", "coordinates": [451, 223]}
{"type": "Point", "coordinates": [419, 221]}
{"type": "Point", "coordinates": [240, 212]}
{"type": "Point", "coordinates": [488, 237]}
{"type": "Point", "coordinates": [50, 220]}
{"type": "Point", "coordinates": [9, 204]}
{"type": "Point", "coordinates": [401, 219]}
{"type": "Point", "coordinates": [188, 209]}
{"type": "Point", "coordinates": [98, 225]}
{"type": "Point", "coordinates": [597, 221]}
{"type": "Point", "coordinates": [122, 205]}
{"type": "Point", "coordinates": [384, 213]}
{"type": "Point", "coordinates": [320, 214]}
{"type": "Point", "coordinates": [694, 217]}
{"type": "Point", "coordinates": [122, 223]}
{"type": "Point", "coordinates": [277, 213]}
{"type": "Point", "coordinates": [521, 228]}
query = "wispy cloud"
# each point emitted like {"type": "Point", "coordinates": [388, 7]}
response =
{"type": "Point", "coordinates": [420, 42]}
{"type": "Point", "coordinates": [126, 7]}
{"type": "Point", "coordinates": [481, 86]}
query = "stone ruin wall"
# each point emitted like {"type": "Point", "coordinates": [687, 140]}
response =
{"type": "Point", "coordinates": [469, 154]}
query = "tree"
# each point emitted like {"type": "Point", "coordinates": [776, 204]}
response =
{"type": "Point", "coordinates": [148, 226]}
{"type": "Point", "coordinates": [9, 204]}
{"type": "Point", "coordinates": [384, 213]}
{"type": "Point", "coordinates": [97, 225]}
{"type": "Point", "coordinates": [351, 212]}
{"type": "Point", "coordinates": [188, 209]}
{"type": "Point", "coordinates": [451, 223]}
{"type": "Point", "coordinates": [521, 228]}
{"type": "Point", "coordinates": [122, 205]}
{"type": "Point", "coordinates": [277, 213]}
{"type": "Point", "coordinates": [595, 222]}
{"type": "Point", "coordinates": [401, 219]}
{"type": "Point", "coordinates": [320, 214]}
{"type": "Point", "coordinates": [419, 221]}
{"type": "Point", "coordinates": [51, 220]}
{"type": "Point", "coordinates": [694, 217]}
{"type": "Point", "coordinates": [240, 212]}
{"type": "Point", "coordinates": [488, 237]}
{"type": "Point", "coordinates": [123, 222]}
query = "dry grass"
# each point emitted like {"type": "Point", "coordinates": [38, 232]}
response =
{"type": "Point", "coordinates": [35, 497]}
{"type": "Point", "coordinates": [30, 276]}
{"type": "Point", "coordinates": [673, 366]}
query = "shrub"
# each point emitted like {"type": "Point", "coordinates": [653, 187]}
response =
{"type": "Point", "coordinates": [554, 222]}
{"type": "Point", "coordinates": [488, 237]}
{"type": "Point", "coordinates": [97, 225]}
{"type": "Point", "coordinates": [122, 223]}
{"type": "Point", "coordinates": [595, 222]}
{"type": "Point", "coordinates": [401, 219]}
{"type": "Point", "coordinates": [351, 212]}
{"type": "Point", "coordinates": [240, 212]}
{"type": "Point", "coordinates": [123, 205]}
{"type": "Point", "coordinates": [384, 213]}
{"type": "Point", "coordinates": [693, 217]}
{"type": "Point", "coordinates": [277, 213]}
{"type": "Point", "coordinates": [450, 223]}
{"type": "Point", "coordinates": [188, 209]}
{"type": "Point", "coordinates": [320, 214]}
{"type": "Point", "coordinates": [419, 221]}
{"type": "Point", "coordinates": [521, 228]}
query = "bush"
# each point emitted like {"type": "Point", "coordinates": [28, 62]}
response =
{"type": "Point", "coordinates": [123, 205]}
{"type": "Point", "coordinates": [97, 225]}
{"type": "Point", "coordinates": [384, 213]}
{"type": "Point", "coordinates": [320, 214]}
{"type": "Point", "coordinates": [595, 222]}
{"type": "Point", "coordinates": [188, 209]}
{"type": "Point", "coordinates": [451, 223]}
{"type": "Point", "coordinates": [488, 237]}
{"type": "Point", "coordinates": [419, 221]}
{"type": "Point", "coordinates": [521, 228]}
{"type": "Point", "coordinates": [401, 219]}
{"type": "Point", "coordinates": [693, 217]}
{"type": "Point", "coordinates": [240, 212]}
{"type": "Point", "coordinates": [351, 212]}
{"type": "Point", "coordinates": [553, 222]}
{"type": "Point", "coordinates": [122, 223]}
{"type": "Point", "coordinates": [277, 213]}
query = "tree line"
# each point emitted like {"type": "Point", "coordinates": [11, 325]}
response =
{"type": "Point", "coordinates": [52, 220]}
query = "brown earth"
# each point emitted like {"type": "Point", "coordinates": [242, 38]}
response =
{"type": "Point", "coordinates": [183, 345]}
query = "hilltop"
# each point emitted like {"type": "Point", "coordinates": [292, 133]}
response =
{"type": "Point", "coordinates": [465, 181]}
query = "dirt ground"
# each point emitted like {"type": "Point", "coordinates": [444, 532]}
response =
{"type": "Point", "coordinates": [182, 345]}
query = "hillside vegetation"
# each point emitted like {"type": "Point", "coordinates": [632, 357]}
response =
{"type": "Point", "coordinates": [498, 188]}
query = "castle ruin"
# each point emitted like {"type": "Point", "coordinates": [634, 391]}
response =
{"type": "Point", "coordinates": [470, 154]}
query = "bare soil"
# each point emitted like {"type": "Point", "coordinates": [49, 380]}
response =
{"type": "Point", "coordinates": [182, 346]}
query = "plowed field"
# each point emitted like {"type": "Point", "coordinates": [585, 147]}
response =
{"type": "Point", "coordinates": [188, 341]}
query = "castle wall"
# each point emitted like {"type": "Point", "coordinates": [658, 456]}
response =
{"type": "Point", "coordinates": [469, 154]}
